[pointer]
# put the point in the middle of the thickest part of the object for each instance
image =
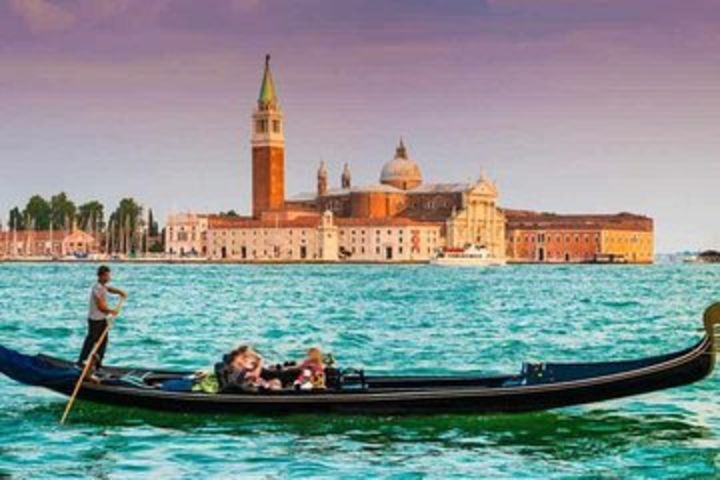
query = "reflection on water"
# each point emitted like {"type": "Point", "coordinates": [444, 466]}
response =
{"type": "Point", "coordinates": [566, 434]}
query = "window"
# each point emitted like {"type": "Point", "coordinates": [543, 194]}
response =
{"type": "Point", "coordinates": [261, 126]}
{"type": "Point", "coordinates": [276, 126]}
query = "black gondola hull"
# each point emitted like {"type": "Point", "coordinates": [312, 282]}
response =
{"type": "Point", "coordinates": [696, 366]}
{"type": "Point", "coordinates": [537, 387]}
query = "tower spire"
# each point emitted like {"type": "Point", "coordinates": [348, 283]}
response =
{"type": "Point", "coordinates": [345, 179]}
{"type": "Point", "coordinates": [322, 177]}
{"type": "Point", "coordinates": [267, 98]}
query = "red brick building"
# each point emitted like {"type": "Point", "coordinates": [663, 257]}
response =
{"type": "Point", "coordinates": [268, 150]}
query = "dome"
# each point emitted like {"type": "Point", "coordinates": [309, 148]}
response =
{"type": "Point", "coordinates": [401, 172]}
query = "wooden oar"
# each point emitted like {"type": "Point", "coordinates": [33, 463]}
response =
{"type": "Point", "coordinates": [88, 363]}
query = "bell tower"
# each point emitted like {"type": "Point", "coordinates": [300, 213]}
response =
{"type": "Point", "coordinates": [268, 149]}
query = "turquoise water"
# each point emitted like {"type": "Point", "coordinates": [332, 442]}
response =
{"type": "Point", "coordinates": [414, 319]}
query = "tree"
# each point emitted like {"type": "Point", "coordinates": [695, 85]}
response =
{"type": "Point", "coordinates": [37, 212]}
{"type": "Point", "coordinates": [91, 216]}
{"type": "Point", "coordinates": [126, 221]}
{"type": "Point", "coordinates": [153, 228]}
{"type": "Point", "coordinates": [63, 211]}
{"type": "Point", "coordinates": [16, 220]}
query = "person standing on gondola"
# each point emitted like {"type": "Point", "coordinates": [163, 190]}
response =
{"type": "Point", "coordinates": [98, 315]}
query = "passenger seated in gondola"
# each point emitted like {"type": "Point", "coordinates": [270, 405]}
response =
{"type": "Point", "coordinates": [312, 371]}
{"type": "Point", "coordinates": [242, 371]}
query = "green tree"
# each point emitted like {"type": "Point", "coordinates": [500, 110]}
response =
{"type": "Point", "coordinates": [153, 228]}
{"type": "Point", "coordinates": [126, 221]}
{"type": "Point", "coordinates": [91, 216]}
{"type": "Point", "coordinates": [16, 220]}
{"type": "Point", "coordinates": [37, 212]}
{"type": "Point", "coordinates": [63, 211]}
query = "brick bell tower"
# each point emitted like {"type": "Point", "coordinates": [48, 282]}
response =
{"type": "Point", "coordinates": [268, 150]}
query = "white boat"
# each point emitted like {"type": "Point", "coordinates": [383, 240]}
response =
{"type": "Point", "coordinates": [472, 256]}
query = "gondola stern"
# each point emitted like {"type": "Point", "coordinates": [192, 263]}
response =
{"type": "Point", "coordinates": [711, 320]}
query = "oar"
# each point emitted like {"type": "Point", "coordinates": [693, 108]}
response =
{"type": "Point", "coordinates": [89, 362]}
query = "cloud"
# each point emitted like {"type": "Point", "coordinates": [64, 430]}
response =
{"type": "Point", "coordinates": [41, 16]}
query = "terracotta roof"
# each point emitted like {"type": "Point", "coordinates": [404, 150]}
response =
{"type": "Point", "coordinates": [223, 222]}
{"type": "Point", "coordinates": [39, 235]}
{"type": "Point", "coordinates": [382, 222]}
{"type": "Point", "coordinates": [528, 220]}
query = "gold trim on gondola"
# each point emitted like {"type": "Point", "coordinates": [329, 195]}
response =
{"type": "Point", "coordinates": [711, 320]}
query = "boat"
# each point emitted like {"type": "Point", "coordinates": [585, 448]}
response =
{"type": "Point", "coordinates": [538, 386]}
{"type": "Point", "coordinates": [471, 256]}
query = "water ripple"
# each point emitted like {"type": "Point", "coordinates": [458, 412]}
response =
{"type": "Point", "coordinates": [414, 319]}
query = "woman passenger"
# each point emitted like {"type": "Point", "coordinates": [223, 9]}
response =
{"type": "Point", "coordinates": [244, 371]}
{"type": "Point", "coordinates": [312, 371]}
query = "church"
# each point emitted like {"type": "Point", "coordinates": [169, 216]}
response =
{"type": "Point", "coordinates": [398, 219]}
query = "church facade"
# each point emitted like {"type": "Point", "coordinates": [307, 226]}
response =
{"type": "Point", "coordinates": [400, 218]}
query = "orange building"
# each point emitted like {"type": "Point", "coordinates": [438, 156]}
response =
{"type": "Point", "coordinates": [534, 237]}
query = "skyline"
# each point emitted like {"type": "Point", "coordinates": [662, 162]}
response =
{"type": "Point", "coordinates": [548, 97]}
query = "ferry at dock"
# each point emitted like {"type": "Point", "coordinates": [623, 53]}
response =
{"type": "Point", "coordinates": [472, 256]}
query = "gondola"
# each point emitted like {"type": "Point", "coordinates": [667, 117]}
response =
{"type": "Point", "coordinates": [538, 386]}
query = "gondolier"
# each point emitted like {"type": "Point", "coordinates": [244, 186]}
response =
{"type": "Point", "coordinates": [98, 313]}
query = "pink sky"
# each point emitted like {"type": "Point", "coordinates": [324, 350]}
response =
{"type": "Point", "coordinates": [573, 106]}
